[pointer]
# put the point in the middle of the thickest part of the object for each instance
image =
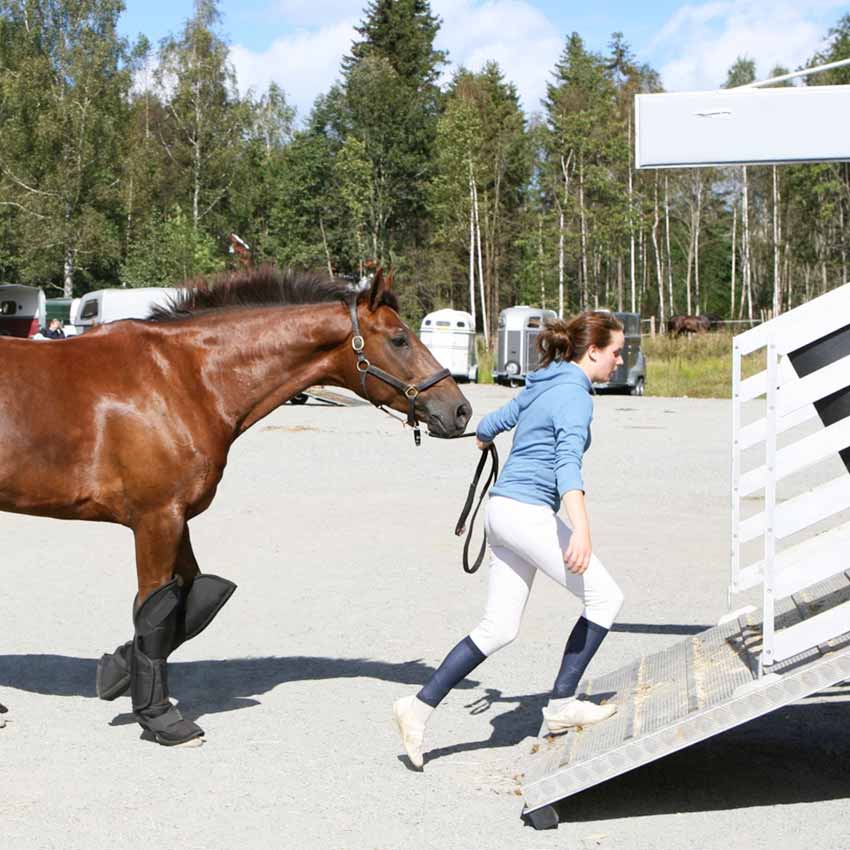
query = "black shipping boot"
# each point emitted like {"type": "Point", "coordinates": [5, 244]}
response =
{"type": "Point", "coordinates": [198, 608]}
{"type": "Point", "coordinates": [156, 622]}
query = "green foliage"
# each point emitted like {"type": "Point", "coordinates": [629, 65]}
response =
{"type": "Point", "coordinates": [171, 251]}
{"type": "Point", "coordinates": [101, 180]}
{"type": "Point", "coordinates": [64, 81]}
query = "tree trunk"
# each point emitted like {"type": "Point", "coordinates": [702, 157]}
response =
{"type": "Point", "coordinates": [471, 247]}
{"type": "Point", "coordinates": [777, 277]}
{"type": "Point", "coordinates": [68, 273]}
{"type": "Point", "coordinates": [480, 268]}
{"type": "Point", "coordinates": [734, 258]}
{"type": "Point", "coordinates": [747, 267]}
{"type": "Point", "coordinates": [560, 262]}
{"type": "Point", "coordinates": [620, 283]}
{"type": "Point", "coordinates": [667, 240]}
{"type": "Point", "coordinates": [540, 261]}
{"type": "Point", "coordinates": [584, 289]}
{"type": "Point", "coordinates": [565, 170]}
{"type": "Point", "coordinates": [659, 275]}
{"type": "Point", "coordinates": [631, 221]}
{"type": "Point", "coordinates": [696, 246]}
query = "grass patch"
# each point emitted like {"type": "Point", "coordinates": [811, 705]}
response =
{"type": "Point", "coordinates": [698, 366]}
{"type": "Point", "coordinates": [485, 362]}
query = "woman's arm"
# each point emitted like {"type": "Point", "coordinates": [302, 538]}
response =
{"type": "Point", "coordinates": [577, 555]}
{"type": "Point", "coordinates": [499, 420]}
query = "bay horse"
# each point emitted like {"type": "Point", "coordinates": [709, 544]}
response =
{"type": "Point", "coordinates": [132, 422]}
{"type": "Point", "coordinates": [679, 325]}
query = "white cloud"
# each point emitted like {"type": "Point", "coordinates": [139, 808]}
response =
{"type": "Point", "coordinates": [699, 43]}
{"type": "Point", "coordinates": [305, 64]}
{"type": "Point", "coordinates": [511, 32]}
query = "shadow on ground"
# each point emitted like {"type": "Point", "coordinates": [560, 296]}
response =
{"type": "Point", "coordinates": [207, 687]}
{"type": "Point", "coordinates": [796, 754]}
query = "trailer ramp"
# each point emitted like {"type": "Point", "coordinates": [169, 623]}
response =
{"type": "Point", "coordinates": [691, 691]}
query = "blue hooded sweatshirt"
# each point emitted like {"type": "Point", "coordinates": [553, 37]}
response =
{"type": "Point", "coordinates": [552, 417]}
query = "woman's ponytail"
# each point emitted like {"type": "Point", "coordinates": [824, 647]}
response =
{"type": "Point", "coordinates": [568, 340]}
{"type": "Point", "coordinates": [555, 342]}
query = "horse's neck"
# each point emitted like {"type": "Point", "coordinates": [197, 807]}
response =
{"type": "Point", "coordinates": [268, 355]}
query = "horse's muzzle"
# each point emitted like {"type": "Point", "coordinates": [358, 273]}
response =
{"type": "Point", "coordinates": [447, 419]}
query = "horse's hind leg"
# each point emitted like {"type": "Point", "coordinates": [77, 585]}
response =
{"type": "Point", "coordinates": [202, 597]}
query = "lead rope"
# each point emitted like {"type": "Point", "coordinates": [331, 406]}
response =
{"type": "Point", "coordinates": [460, 528]}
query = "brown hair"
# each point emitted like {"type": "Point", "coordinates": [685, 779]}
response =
{"type": "Point", "coordinates": [568, 340]}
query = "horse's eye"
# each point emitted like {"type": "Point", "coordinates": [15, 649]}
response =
{"type": "Point", "coordinates": [399, 341]}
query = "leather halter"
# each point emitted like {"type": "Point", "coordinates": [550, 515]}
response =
{"type": "Point", "coordinates": [409, 391]}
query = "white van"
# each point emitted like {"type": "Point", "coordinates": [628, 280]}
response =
{"type": "Point", "coordinates": [112, 305]}
{"type": "Point", "coordinates": [22, 310]}
{"type": "Point", "coordinates": [450, 336]}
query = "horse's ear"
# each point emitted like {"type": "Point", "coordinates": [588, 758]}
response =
{"type": "Point", "coordinates": [380, 286]}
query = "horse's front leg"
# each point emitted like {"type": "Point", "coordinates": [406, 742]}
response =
{"type": "Point", "coordinates": [157, 624]}
{"type": "Point", "coordinates": [201, 598]}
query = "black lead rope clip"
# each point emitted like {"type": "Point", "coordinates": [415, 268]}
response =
{"type": "Point", "coordinates": [460, 528]}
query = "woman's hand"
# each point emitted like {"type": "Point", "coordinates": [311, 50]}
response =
{"type": "Point", "coordinates": [482, 445]}
{"type": "Point", "coordinates": [577, 556]}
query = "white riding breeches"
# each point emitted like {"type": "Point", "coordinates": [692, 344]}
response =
{"type": "Point", "coordinates": [524, 538]}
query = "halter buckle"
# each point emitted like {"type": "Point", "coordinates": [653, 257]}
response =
{"type": "Point", "coordinates": [357, 343]}
{"type": "Point", "coordinates": [411, 392]}
{"type": "Point", "coordinates": [363, 365]}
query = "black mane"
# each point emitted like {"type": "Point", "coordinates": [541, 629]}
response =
{"type": "Point", "coordinates": [263, 286]}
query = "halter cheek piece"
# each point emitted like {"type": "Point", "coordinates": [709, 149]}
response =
{"type": "Point", "coordinates": [409, 391]}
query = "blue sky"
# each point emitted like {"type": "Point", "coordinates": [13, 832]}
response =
{"type": "Point", "coordinates": [299, 43]}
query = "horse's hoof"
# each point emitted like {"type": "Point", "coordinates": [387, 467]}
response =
{"type": "Point", "coordinates": [170, 729]}
{"type": "Point", "coordinates": [190, 744]}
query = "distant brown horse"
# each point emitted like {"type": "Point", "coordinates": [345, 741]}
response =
{"type": "Point", "coordinates": [132, 423]}
{"type": "Point", "coordinates": [678, 325]}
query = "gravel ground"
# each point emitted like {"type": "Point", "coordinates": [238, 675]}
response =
{"type": "Point", "coordinates": [339, 534]}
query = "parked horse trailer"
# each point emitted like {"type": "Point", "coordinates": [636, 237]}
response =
{"type": "Point", "coordinates": [450, 336]}
{"type": "Point", "coordinates": [22, 310]}
{"type": "Point", "coordinates": [112, 305]}
{"type": "Point", "coordinates": [516, 348]}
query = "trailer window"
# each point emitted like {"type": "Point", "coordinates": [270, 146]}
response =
{"type": "Point", "coordinates": [8, 308]}
{"type": "Point", "coordinates": [89, 310]}
{"type": "Point", "coordinates": [533, 322]}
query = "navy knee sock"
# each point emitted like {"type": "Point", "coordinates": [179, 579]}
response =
{"type": "Point", "coordinates": [581, 646]}
{"type": "Point", "coordinates": [458, 664]}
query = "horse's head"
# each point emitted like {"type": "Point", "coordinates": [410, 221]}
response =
{"type": "Point", "coordinates": [394, 349]}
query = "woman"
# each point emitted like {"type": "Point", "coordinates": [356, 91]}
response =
{"type": "Point", "coordinates": [552, 418]}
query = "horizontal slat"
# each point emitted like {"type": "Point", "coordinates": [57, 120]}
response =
{"type": "Point", "coordinates": [803, 324]}
{"type": "Point", "coordinates": [803, 564]}
{"type": "Point", "coordinates": [823, 382]}
{"type": "Point", "coordinates": [799, 455]}
{"type": "Point", "coordinates": [752, 387]}
{"type": "Point", "coordinates": [795, 514]}
{"type": "Point", "coordinates": [754, 433]}
{"type": "Point", "coordinates": [811, 632]}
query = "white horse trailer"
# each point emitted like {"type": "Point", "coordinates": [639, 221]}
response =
{"type": "Point", "coordinates": [111, 305]}
{"type": "Point", "coordinates": [516, 345]}
{"type": "Point", "coordinates": [450, 336]}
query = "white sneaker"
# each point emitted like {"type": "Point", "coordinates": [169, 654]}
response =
{"type": "Point", "coordinates": [576, 713]}
{"type": "Point", "coordinates": [411, 729]}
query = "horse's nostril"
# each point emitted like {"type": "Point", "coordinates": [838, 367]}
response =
{"type": "Point", "coordinates": [463, 413]}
